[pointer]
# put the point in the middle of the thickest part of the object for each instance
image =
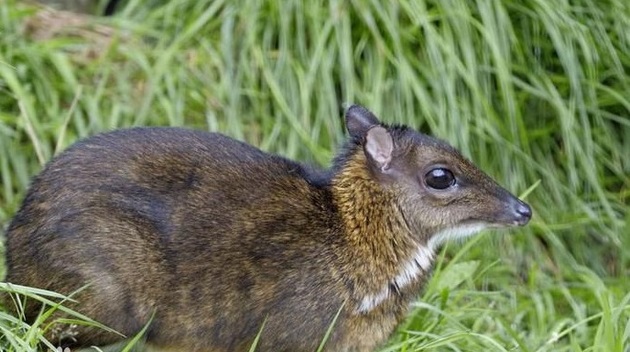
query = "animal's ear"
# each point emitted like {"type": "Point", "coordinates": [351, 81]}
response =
{"type": "Point", "coordinates": [379, 147]}
{"type": "Point", "coordinates": [359, 121]}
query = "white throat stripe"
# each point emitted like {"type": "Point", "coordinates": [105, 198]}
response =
{"type": "Point", "coordinates": [419, 263]}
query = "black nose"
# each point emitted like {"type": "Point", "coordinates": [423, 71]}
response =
{"type": "Point", "coordinates": [522, 213]}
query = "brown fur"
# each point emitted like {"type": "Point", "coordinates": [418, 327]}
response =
{"type": "Point", "coordinates": [216, 237]}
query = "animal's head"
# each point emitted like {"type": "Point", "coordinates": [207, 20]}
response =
{"type": "Point", "coordinates": [440, 193]}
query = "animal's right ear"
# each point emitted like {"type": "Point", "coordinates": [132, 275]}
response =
{"type": "Point", "coordinates": [359, 121]}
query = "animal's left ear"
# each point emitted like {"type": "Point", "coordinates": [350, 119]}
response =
{"type": "Point", "coordinates": [359, 120]}
{"type": "Point", "coordinates": [379, 147]}
{"type": "Point", "coordinates": [377, 141]}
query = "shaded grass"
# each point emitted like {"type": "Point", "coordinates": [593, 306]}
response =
{"type": "Point", "coordinates": [20, 336]}
{"type": "Point", "coordinates": [531, 90]}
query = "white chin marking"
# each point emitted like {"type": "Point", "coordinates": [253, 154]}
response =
{"type": "Point", "coordinates": [418, 264]}
{"type": "Point", "coordinates": [421, 261]}
{"type": "Point", "coordinates": [370, 301]}
{"type": "Point", "coordinates": [409, 271]}
{"type": "Point", "coordinates": [458, 232]}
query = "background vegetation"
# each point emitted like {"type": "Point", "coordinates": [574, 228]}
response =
{"type": "Point", "coordinates": [533, 91]}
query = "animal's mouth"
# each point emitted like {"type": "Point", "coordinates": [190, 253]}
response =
{"type": "Point", "coordinates": [460, 231]}
{"type": "Point", "coordinates": [515, 213]}
{"type": "Point", "coordinates": [505, 224]}
{"type": "Point", "coordinates": [506, 221]}
{"type": "Point", "coordinates": [519, 212]}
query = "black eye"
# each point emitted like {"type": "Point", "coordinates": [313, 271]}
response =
{"type": "Point", "coordinates": [439, 178]}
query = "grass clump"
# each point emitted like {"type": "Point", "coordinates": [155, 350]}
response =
{"type": "Point", "coordinates": [533, 91]}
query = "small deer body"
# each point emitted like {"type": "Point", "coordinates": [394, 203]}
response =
{"type": "Point", "coordinates": [221, 242]}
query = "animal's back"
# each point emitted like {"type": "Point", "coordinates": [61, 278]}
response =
{"type": "Point", "coordinates": [168, 220]}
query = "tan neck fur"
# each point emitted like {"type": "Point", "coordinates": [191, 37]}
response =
{"type": "Point", "coordinates": [381, 244]}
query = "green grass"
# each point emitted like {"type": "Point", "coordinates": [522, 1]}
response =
{"type": "Point", "coordinates": [532, 90]}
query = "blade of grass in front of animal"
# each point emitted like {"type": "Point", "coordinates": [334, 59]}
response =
{"type": "Point", "coordinates": [9, 333]}
{"type": "Point", "coordinates": [252, 348]}
{"type": "Point", "coordinates": [330, 328]}
{"type": "Point", "coordinates": [138, 336]}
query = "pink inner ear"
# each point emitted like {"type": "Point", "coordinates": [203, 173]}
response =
{"type": "Point", "coordinates": [379, 146]}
